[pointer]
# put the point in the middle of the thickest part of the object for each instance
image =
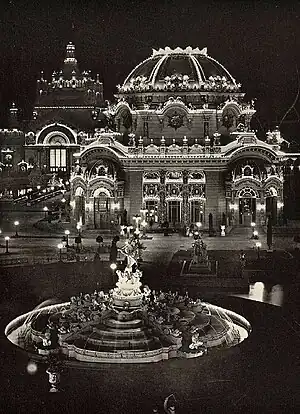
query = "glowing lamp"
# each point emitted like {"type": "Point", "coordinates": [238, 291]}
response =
{"type": "Point", "coordinates": [113, 266]}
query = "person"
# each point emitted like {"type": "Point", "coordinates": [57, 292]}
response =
{"type": "Point", "coordinates": [114, 250]}
{"type": "Point", "coordinates": [97, 257]}
{"type": "Point", "coordinates": [242, 258]}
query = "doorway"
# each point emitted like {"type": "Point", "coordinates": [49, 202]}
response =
{"type": "Point", "coordinates": [102, 211]}
{"type": "Point", "coordinates": [174, 212]}
{"type": "Point", "coordinates": [247, 211]}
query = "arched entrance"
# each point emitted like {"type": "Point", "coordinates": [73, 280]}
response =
{"type": "Point", "coordinates": [247, 206]}
{"type": "Point", "coordinates": [79, 210]}
{"type": "Point", "coordinates": [103, 209]}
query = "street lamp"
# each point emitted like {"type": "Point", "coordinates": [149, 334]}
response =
{"type": "Point", "coordinates": [16, 223]}
{"type": "Point", "coordinates": [67, 233]}
{"type": "Point", "coordinates": [137, 219]}
{"type": "Point", "coordinates": [113, 266]}
{"type": "Point", "coordinates": [63, 200]}
{"type": "Point", "coordinates": [258, 246]}
{"type": "Point", "coordinates": [223, 230]}
{"type": "Point", "coordinates": [255, 234]}
{"type": "Point", "coordinates": [46, 211]}
{"type": "Point", "coordinates": [60, 246]}
{"type": "Point", "coordinates": [6, 244]}
{"type": "Point", "coordinates": [253, 229]}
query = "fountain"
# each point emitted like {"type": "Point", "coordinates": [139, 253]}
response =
{"type": "Point", "coordinates": [128, 324]}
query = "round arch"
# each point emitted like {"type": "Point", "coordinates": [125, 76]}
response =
{"type": "Point", "coordinates": [271, 192]}
{"type": "Point", "coordinates": [247, 192]}
{"type": "Point", "coordinates": [262, 153]}
{"type": "Point", "coordinates": [101, 190]}
{"type": "Point", "coordinates": [56, 129]}
{"type": "Point", "coordinates": [79, 192]}
{"type": "Point", "coordinates": [247, 199]}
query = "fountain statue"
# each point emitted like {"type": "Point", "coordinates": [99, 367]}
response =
{"type": "Point", "coordinates": [129, 323]}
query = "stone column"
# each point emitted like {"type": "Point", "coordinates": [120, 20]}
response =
{"type": "Point", "coordinates": [185, 217]}
{"type": "Point", "coordinates": [162, 208]}
{"type": "Point", "coordinates": [215, 197]}
{"type": "Point", "coordinates": [88, 214]}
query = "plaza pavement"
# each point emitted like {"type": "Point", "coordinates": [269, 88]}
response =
{"type": "Point", "coordinates": [158, 248]}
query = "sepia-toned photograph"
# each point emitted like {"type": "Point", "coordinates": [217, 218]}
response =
{"type": "Point", "coordinates": [149, 206]}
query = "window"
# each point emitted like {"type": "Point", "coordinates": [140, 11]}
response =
{"type": "Point", "coordinates": [197, 211]}
{"type": "Point", "coordinates": [58, 159]}
{"type": "Point", "coordinates": [174, 211]}
{"type": "Point", "coordinates": [151, 206]}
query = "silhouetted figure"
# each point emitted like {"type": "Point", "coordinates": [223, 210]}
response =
{"type": "Point", "coordinates": [114, 250]}
{"type": "Point", "coordinates": [125, 217]}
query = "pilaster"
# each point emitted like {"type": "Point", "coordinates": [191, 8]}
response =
{"type": "Point", "coordinates": [135, 196]}
{"type": "Point", "coordinates": [215, 197]}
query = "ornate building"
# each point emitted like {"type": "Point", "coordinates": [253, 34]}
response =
{"type": "Point", "coordinates": [177, 145]}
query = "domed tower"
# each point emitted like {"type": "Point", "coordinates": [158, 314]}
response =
{"type": "Point", "coordinates": [180, 92]}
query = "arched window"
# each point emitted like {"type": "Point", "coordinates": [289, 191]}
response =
{"type": "Point", "coordinates": [247, 192]}
{"type": "Point", "coordinates": [58, 159]}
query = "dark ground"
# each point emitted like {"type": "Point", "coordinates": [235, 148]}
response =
{"type": "Point", "coordinates": [259, 375]}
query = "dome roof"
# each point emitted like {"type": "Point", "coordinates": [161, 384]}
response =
{"type": "Point", "coordinates": [179, 69]}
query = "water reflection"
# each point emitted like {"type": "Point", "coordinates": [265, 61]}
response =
{"type": "Point", "coordinates": [261, 292]}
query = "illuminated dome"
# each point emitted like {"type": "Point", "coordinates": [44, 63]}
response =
{"type": "Point", "coordinates": [179, 70]}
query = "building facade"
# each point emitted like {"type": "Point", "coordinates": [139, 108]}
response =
{"type": "Point", "coordinates": [176, 146]}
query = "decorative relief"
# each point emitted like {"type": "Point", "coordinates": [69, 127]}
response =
{"type": "Point", "coordinates": [174, 148]}
{"type": "Point", "coordinates": [176, 82]}
{"type": "Point", "coordinates": [151, 149]}
{"type": "Point", "coordinates": [175, 120]}
{"type": "Point", "coordinates": [30, 138]}
{"type": "Point", "coordinates": [196, 148]}
{"type": "Point", "coordinates": [150, 191]}
{"type": "Point", "coordinates": [188, 50]}
{"type": "Point", "coordinates": [151, 175]}
{"type": "Point", "coordinates": [199, 176]}
{"type": "Point", "coordinates": [174, 175]}
{"type": "Point", "coordinates": [197, 190]}
{"type": "Point", "coordinates": [162, 175]}
{"type": "Point", "coordinates": [173, 190]}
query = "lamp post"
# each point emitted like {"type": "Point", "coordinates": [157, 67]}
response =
{"type": "Point", "coordinates": [60, 246]}
{"type": "Point", "coordinates": [137, 219]}
{"type": "Point", "coordinates": [46, 211]}
{"type": "Point", "coordinates": [253, 228]}
{"type": "Point", "coordinates": [113, 267]}
{"type": "Point", "coordinates": [258, 246]}
{"type": "Point", "coordinates": [199, 225]}
{"type": "Point", "coordinates": [6, 244]}
{"type": "Point", "coordinates": [16, 223]}
{"type": "Point", "coordinates": [67, 233]}
{"type": "Point", "coordinates": [144, 224]}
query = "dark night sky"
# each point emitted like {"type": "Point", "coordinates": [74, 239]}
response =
{"type": "Point", "coordinates": [258, 42]}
